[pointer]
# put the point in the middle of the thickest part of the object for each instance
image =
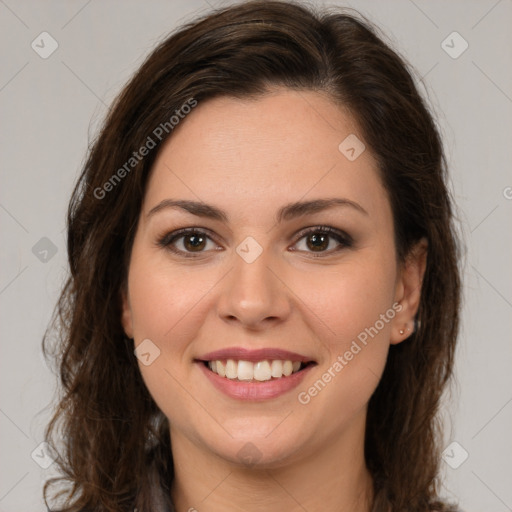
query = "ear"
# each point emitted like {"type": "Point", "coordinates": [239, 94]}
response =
{"type": "Point", "coordinates": [126, 313]}
{"type": "Point", "coordinates": [408, 291]}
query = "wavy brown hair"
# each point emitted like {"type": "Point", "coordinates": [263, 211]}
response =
{"type": "Point", "coordinates": [111, 439]}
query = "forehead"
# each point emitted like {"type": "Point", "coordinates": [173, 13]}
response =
{"type": "Point", "coordinates": [253, 155]}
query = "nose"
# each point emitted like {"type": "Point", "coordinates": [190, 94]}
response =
{"type": "Point", "coordinates": [254, 295]}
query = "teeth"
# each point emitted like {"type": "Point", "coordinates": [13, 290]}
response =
{"type": "Point", "coordinates": [248, 371]}
{"type": "Point", "coordinates": [231, 369]}
{"type": "Point", "coordinates": [245, 370]}
{"type": "Point", "coordinates": [262, 371]}
{"type": "Point", "coordinates": [277, 369]}
{"type": "Point", "coordinates": [221, 368]}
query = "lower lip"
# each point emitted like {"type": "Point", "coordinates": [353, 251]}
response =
{"type": "Point", "coordinates": [255, 391]}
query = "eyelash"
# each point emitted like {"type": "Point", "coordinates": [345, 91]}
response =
{"type": "Point", "coordinates": [342, 238]}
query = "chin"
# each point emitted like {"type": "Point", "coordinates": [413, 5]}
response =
{"type": "Point", "coordinates": [257, 451]}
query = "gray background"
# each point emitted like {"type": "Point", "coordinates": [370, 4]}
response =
{"type": "Point", "coordinates": [49, 109]}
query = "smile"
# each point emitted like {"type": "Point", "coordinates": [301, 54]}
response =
{"type": "Point", "coordinates": [259, 371]}
{"type": "Point", "coordinates": [255, 375]}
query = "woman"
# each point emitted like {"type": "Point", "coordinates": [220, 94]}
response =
{"type": "Point", "coordinates": [264, 295]}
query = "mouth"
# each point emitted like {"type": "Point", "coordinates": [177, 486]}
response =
{"type": "Point", "coordinates": [259, 374]}
{"type": "Point", "coordinates": [259, 371]}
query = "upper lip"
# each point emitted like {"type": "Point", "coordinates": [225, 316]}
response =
{"type": "Point", "coordinates": [240, 353]}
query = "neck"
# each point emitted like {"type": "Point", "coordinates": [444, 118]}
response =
{"type": "Point", "coordinates": [333, 479]}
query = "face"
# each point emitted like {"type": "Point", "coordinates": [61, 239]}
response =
{"type": "Point", "coordinates": [245, 275]}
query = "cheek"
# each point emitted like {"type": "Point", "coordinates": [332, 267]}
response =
{"type": "Point", "coordinates": [355, 304]}
{"type": "Point", "coordinates": [163, 302]}
{"type": "Point", "coordinates": [165, 305]}
{"type": "Point", "coordinates": [351, 298]}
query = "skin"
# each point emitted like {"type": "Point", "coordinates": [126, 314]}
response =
{"type": "Point", "coordinates": [249, 158]}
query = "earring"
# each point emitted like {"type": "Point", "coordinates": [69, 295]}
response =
{"type": "Point", "coordinates": [401, 331]}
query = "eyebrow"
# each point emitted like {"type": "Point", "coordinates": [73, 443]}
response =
{"type": "Point", "coordinates": [287, 212]}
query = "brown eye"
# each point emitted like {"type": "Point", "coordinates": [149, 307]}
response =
{"type": "Point", "coordinates": [188, 242]}
{"type": "Point", "coordinates": [194, 242]}
{"type": "Point", "coordinates": [317, 242]}
{"type": "Point", "coordinates": [323, 240]}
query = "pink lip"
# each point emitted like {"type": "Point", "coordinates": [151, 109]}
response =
{"type": "Point", "coordinates": [254, 391]}
{"type": "Point", "coordinates": [261, 354]}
